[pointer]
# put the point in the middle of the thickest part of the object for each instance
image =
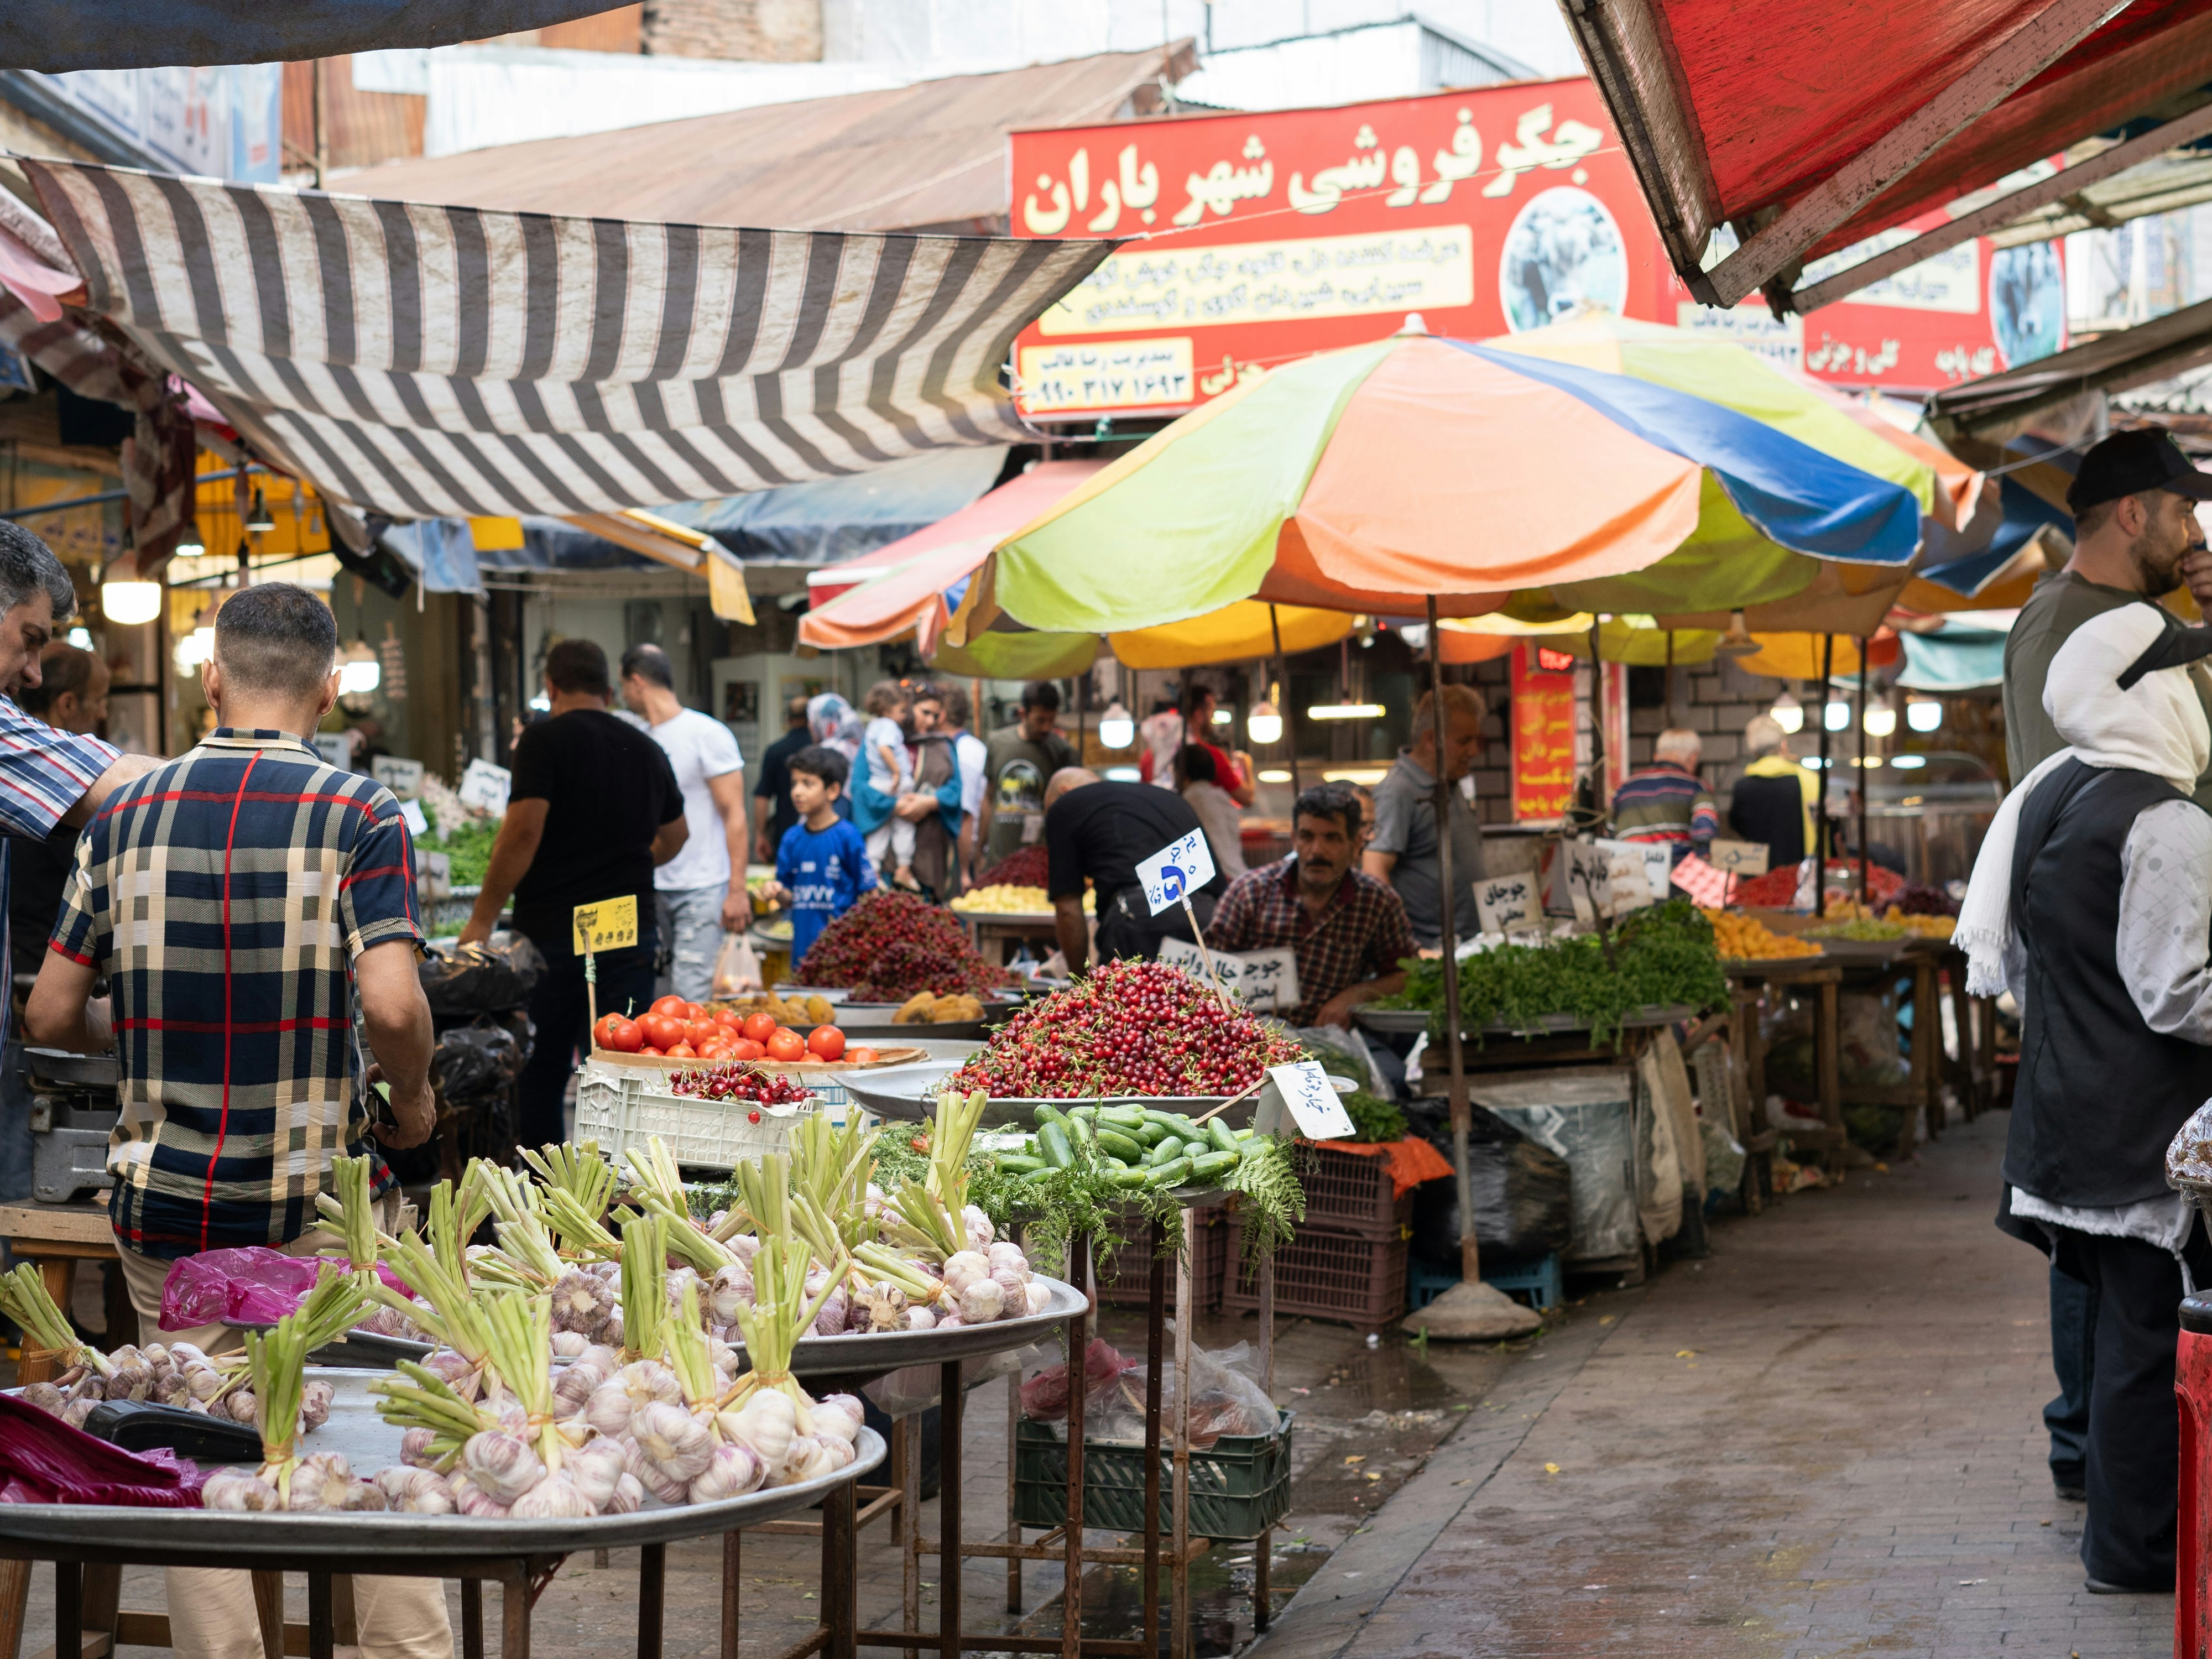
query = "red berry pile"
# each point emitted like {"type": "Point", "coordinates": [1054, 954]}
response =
{"type": "Point", "coordinates": [1025, 866]}
{"type": "Point", "coordinates": [890, 945]}
{"type": "Point", "coordinates": [1132, 1027]}
{"type": "Point", "coordinates": [735, 1082]}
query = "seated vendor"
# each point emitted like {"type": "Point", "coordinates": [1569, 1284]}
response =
{"type": "Point", "coordinates": [1349, 930]}
{"type": "Point", "coordinates": [243, 899]}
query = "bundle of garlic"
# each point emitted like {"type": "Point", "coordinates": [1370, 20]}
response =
{"type": "Point", "coordinates": [576, 1185]}
{"type": "Point", "coordinates": [87, 1373]}
{"type": "Point", "coordinates": [657, 1188]}
{"type": "Point", "coordinates": [276, 1363]}
{"type": "Point", "coordinates": [444, 1305]}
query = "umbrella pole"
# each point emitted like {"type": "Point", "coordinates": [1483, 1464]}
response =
{"type": "Point", "coordinates": [1821, 801]}
{"type": "Point", "coordinates": [1470, 1262]}
{"type": "Point", "coordinates": [1600, 797]}
{"type": "Point", "coordinates": [1283, 691]}
{"type": "Point", "coordinates": [1866, 892]}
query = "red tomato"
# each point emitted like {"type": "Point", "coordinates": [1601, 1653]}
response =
{"type": "Point", "coordinates": [602, 1033]}
{"type": "Point", "coordinates": [621, 1035]}
{"type": "Point", "coordinates": [650, 1052]}
{"type": "Point", "coordinates": [719, 1049]}
{"type": "Point", "coordinates": [683, 1051]}
{"type": "Point", "coordinates": [862, 1056]}
{"type": "Point", "coordinates": [826, 1042]}
{"type": "Point", "coordinates": [662, 1032]}
{"type": "Point", "coordinates": [694, 1011]}
{"type": "Point", "coordinates": [784, 1043]}
{"type": "Point", "coordinates": [730, 1020]}
{"type": "Point", "coordinates": [760, 1027]}
{"type": "Point", "coordinates": [670, 1005]}
{"type": "Point", "coordinates": [746, 1049]}
{"type": "Point", "coordinates": [698, 1031]}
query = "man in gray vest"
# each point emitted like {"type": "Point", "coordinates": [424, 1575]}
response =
{"type": "Point", "coordinates": [2091, 899]}
{"type": "Point", "coordinates": [2133, 498]}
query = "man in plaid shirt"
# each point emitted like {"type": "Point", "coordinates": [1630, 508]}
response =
{"type": "Point", "coordinates": [1347, 929]}
{"type": "Point", "coordinates": [239, 900]}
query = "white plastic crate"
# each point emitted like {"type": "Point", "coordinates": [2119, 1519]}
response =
{"type": "Point", "coordinates": [625, 1109]}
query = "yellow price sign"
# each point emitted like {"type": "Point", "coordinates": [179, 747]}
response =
{"type": "Point", "coordinates": [610, 924]}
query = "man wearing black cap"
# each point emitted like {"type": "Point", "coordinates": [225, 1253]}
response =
{"type": "Point", "coordinates": [2135, 538]}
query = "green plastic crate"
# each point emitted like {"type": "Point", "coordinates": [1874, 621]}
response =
{"type": "Point", "coordinates": [1240, 1486]}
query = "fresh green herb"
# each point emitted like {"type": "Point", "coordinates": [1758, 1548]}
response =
{"type": "Point", "coordinates": [467, 848]}
{"type": "Point", "coordinates": [1373, 1118]}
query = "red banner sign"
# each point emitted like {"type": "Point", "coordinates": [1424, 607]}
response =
{"type": "Point", "coordinates": [1543, 737]}
{"type": "Point", "coordinates": [1261, 238]}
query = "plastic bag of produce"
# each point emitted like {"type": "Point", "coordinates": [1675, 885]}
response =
{"type": "Point", "coordinates": [1523, 1195]}
{"type": "Point", "coordinates": [1044, 1395]}
{"type": "Point", "coordinates": [737, 969]}
{"type": "Point", "coordinates": [1226, 1398]}
{"type": "Point", "coordinates": [253, 1285]}
{"type": "Point", "coordinates": [916, 1387]}
{"type": "Point", "coordinates": [482, 979]}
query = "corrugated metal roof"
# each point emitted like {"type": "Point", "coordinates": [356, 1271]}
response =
{"type": "Point", "coordinates": [930, 155]}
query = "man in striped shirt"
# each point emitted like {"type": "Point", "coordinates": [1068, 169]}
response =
{"type": "Point", "coordinates": [243, 901]}
{"type": "Point", "coordinates": [1665, 802]}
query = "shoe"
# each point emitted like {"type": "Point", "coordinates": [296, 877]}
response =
{"type": "Point", "coordinates": [2071, 1494]}
{"type": "Point", "coordinates": [2098, 1587]}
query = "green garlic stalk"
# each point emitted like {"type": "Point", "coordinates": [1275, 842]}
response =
{"type": "Point", "coordinates": [24, 1299]}
{"type": "Point", "coordinates": [644, 1286]}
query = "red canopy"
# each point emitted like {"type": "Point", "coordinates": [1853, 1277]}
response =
{"type": "Point", "coordinates": [1811, 125]}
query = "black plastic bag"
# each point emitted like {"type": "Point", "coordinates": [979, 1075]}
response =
{"type": "Point", "coordinates": [1522, 1195]}
{"type": "Point", "coordinates": [482, 979]}
{"type": "Point", "coordinates": [473, 1064]}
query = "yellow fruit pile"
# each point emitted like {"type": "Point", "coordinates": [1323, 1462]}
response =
{"type": "Point", "coordinates": [801, 1014]}
{"type": "Point", "coordinates": [1924, 926]}
{"type": "Point", "coordinates": [1001, 899]}
{"type": "Point", "coordinates": [925, 1008]}
{"type": "Point", "coordinates": [1741, 938]}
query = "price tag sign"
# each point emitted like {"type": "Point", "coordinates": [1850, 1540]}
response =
{"type": "Point", "coordinates": [610, 924]}
{"type": "Point", "coordinates": [412, 815]}
{"type": "Point", "coordinates": [1176, 871]}
{"type": "Point", "coordinates": [1507, 903]}
{"type": "Point", "coordinates": [1705, 884]}
{"type": "Point", "coordinates": [485, 787]}
{"type": "Point", "coordinates": [1266, 981]}
{"type": "Point", "coordinates": [1741, 858]}
{"type": "Point", "coordinates": [332, 747]}
{"type": "Point", "coordinates": [1314, 1104]}
{"type": "Point", "coordinates": [403, 778]}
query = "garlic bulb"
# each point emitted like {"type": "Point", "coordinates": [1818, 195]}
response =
{"type": "Point", "coordinates": [838, 1415]}
{"type": "Point", "coordinates": [129, 1382]}
{"type": "Point", "coordinates": [596, 1470]}
{"type": "Point", "coordinates": [416, 1491]}
{"type": "Point", "coordinates": [46, 1396]}
{"type": "Point", "coordinates": [679, 1279]}
{"type": "Point", "coordinates": [732, 1471]}
{"type": "Point", "coordinates": [981, 1300]}
{"type": "Point", "coordinates": [611, 1332]}
{"type": "Point", "coordinates": [568, 1345]}
{"type": "Point", "coordinates": [580, 1304]}
{"type": "Point", "coordinates": [1014, 1289]}
{"type": "Point", "coordinates": [322, 1481]}
{"type": "Point", "coordinates": [640, 1471]}
{"type": "Point", "coordinates": [89, 1386]}
{"type": "Point", "coordinates": [455, 1372]}
{"type": "Point", "coordinates": [607, 1359]}
{"type": "Point", "coordinates": [831, 1321]}
{"type": "Point", "coordinates": [746, 1246]}
{"type": "Point", "coordinates": [185, 1355]}
{"type": "Point", "coordinates": [808, 1460]}
{"type": "Point", "coordinates": [415, 1448]}
{"type": "Point", "coordinates": [244, 1406]}
{"type": "Point", "coordinates": [963, 1267]}
{"type": "Point", "coordinates": [607, 1409]}
{"type": "Point", "coordinates": [1039, 1296]}
{"type": "Point", "coordinates": [629, 1499]}
{"type": "Point", "coordinates": [671, 1440]}
{"type": "Point", "coordinates": [472, 1500]}
{"type": "Point", "coordinates": [730, 1289]}
{"type": "Point", "coordinates": [315, 1404]}
{"type": "Point", "coordinates": [205, 1381]}
{"type": "Point", "coordinates": [555, 1499]}
{"type": "Point", "coordinates": [234, 1489]}
{"type": "Point", "coordinates": [502, 1464]}
{"type": "Point", "coordinates": [573, 1384]}
{"type": "Point", "coordinates": [978, 1225]}
{"type": "Point", "coordinates": [765, 1425]}
{"type": "Point", "coordinates": [919, 1318]}
{"type": "Point", "coordinates": [836, 1453]}
{"type": "Point", "coordinates": [1003, 1254]}
{"type": "Point", "coordinates": [173, 1389]}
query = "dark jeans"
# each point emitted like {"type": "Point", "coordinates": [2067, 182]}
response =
{"type": "Point", "coordinates": [2132, 1469]}
{"type": "Point", "coordinates": [2074, 1361]}
{"type": "Point", "coordinates": [559, 1010]}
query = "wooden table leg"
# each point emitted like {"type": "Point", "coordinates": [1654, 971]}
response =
{"type": "Point", "coordinates": [652, 1587]}
{"type": "Point", "coordinates": [103, 1599]}
{"type": "Point", "coordinates": [948, 1561]}
{"type": "Point", "coordinates": [732, 1580]}
{"type": "Point", "coordinates": [1827, 1035]}
{"type": "Point", "coordinates": [1180, 1633]}
{"type": "Point", "coordinates": [907, 1429]}
{"type": "Point", "coordinates": [473, 1642]}
{"type": "Point", "coordinates": [15, 1603]}
{"type": "Point", "coordinates": [1928, 1043]}
{"type": "Point", "coordinates": [1081, 1275]}
{"type": "Point", "coordinates": [69, 1609]}
{"type": "Point", "coordinates": [1263, 1552]}
{"type": "Point", "coordinates": [269, 1613]}
{"type": "Point", "coordinates": [840, 1573]}
{"type": "Point", "coordinates": [514, 1618]}
{"type": "Point", "coordinates": [1013, 1462]}
{"type": "Point", "coordinates": [345, 1628]}
{"type": "Point", "coordinates": [321, 1633]}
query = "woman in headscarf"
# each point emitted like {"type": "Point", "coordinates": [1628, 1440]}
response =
{"type": "Point", "coordinates": [2092, 901]}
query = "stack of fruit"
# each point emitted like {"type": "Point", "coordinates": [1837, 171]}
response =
{"type": "Point", "coordinates": [673, 1029]}
{"type": "Point", "coordinates": [1744, 938]}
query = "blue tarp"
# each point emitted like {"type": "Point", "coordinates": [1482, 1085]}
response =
{"type": "Point", "coordinates": [830, 520]}
{"type": "Point", "coordinates": [57, 35]}
{"type": "Point", "coordinates": [1956, 659]}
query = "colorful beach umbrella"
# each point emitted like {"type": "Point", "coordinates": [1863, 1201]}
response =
{"type": "Point", "coordinates": [1373, 478]}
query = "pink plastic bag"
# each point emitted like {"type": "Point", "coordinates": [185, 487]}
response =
{"type": "Point", "coordinates": [255, 1285]}
{"type": "Point", "coordinates": [44, 1460]}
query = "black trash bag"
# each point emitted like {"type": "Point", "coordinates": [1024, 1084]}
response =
{"type": "Point", "coordinates": [482, 979]}
{"type": "Point", "coordinates": [473, 1064]}
{"type": "Point", "coordinates": [1522, 1197]}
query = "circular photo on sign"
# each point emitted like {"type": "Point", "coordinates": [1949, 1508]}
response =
{"type": "Point", "coordinates": [2027, 302]}
{"type": "Point", "coordinates": [1563, 254]}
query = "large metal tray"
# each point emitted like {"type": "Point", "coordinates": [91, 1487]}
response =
{"type": "Point", "coordinates": [88, 1071]}
{"type": "Point", "coordinates": [1392, 1022]}
{"type": "Point", "coordinates": [1550, 1025]}
{"type": "Point", "coordinates": [370, 1444]}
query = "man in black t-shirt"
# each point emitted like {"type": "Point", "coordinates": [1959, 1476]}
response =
{"type": "Point", "coordinates": [773, 789]}
{"type": "Point", "coordinates": [1101, 831]}
{"type": "Point", "coordinates": [593, 808]}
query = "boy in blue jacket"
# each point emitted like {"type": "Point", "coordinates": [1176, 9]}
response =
{"type": "Point", "coordinates": [823, 864]}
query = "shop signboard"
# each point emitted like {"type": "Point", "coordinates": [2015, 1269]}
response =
{"type": "Point", "coordinates": [1258, 239]}
{"type": "Point", "coordinates": [1551, 725]}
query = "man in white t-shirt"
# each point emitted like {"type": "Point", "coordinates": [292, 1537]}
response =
{"type": "Point", "coordinates": [701, 892]}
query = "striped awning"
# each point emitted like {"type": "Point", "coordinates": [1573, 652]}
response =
{"type": "Point", "coordinates": [427, 361]}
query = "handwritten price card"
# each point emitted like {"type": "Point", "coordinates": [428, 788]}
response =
{"type": "Point", "coordinates": [610, 924]}
{"type": "Point", "coordinates": [1176, 871]}
{"type": "Point", "coordinates": [1314, 1104]}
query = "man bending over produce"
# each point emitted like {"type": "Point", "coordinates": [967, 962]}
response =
{"type": "Point", "coordinates": [239, 899]}
{"type": "Point", "coordinates": [1347, 929]}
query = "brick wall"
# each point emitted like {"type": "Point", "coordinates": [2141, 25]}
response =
{"type": "Point", "coordinates": [758, 31]}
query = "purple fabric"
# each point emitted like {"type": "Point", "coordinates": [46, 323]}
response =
{"type": "Point", "coordinates": [44, 1460]}
{"type": "Point", "coordinates": [251, 1285]}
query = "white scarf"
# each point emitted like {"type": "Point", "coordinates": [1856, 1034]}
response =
{"type": "Point", "coordinates": [2155, 725]}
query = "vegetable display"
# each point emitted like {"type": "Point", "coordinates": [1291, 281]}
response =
{"type": "Point", "coordinates": [892, 944]}
{"type": "Point", "coordinates": [675, 1029]}
{"type": "Point", "coordinates": [1133, 1146]}
{"type": "Point", "coordinates": [1662, 956]}
{"type": "Point", "coordinates": [738, 1083]}
{"type": "Point", "coordinates": [1131, 1027]}
{"type": "Point", "coordinates": [1010, 898]}
{"type": "Point", "coordinates": [1025, 866]}
{"type": "Point", "coordinates": [1747, 939]}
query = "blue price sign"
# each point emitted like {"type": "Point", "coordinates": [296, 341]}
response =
{"type": "Point", "coordinates": [1176, 871]}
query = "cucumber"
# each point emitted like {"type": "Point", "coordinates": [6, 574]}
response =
{"type": "Point", "coordinates": [1080, 1132]}
{"type": "Point", "coordinates": [1045, 1114]}
{"type": "Point", "coordinates": [1052, 1142]}
{"type": "Point", "coordinates": [1222, 1136]}
{"type": "Point", "coordinates": [1178, 1121]}
{"type": "Point", "coordinates": [1166, 1152]}
{"type": "Point", "coordinates": [1245, 1134]}
{"type": "Point", "coordinates": [1083, 1112]}
{"type": "Point", "coordinates": [1115, 1144]}
{"type": "Point", "coordinates": [1130, 1178]}
{"type": "Point", "coordinates": [1044, 1174]}
{"type": "Point", "coordinates": [1124, 1118]}
{"type": "Point", "coordinates": [1153, 1134]}
{"type": "Point", "coordinates": [1172, 1174]}
{"type": "Point", "coordinates": [1021, 1163]}
{"type": "Point", "coordinates": [1207, 1165]}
